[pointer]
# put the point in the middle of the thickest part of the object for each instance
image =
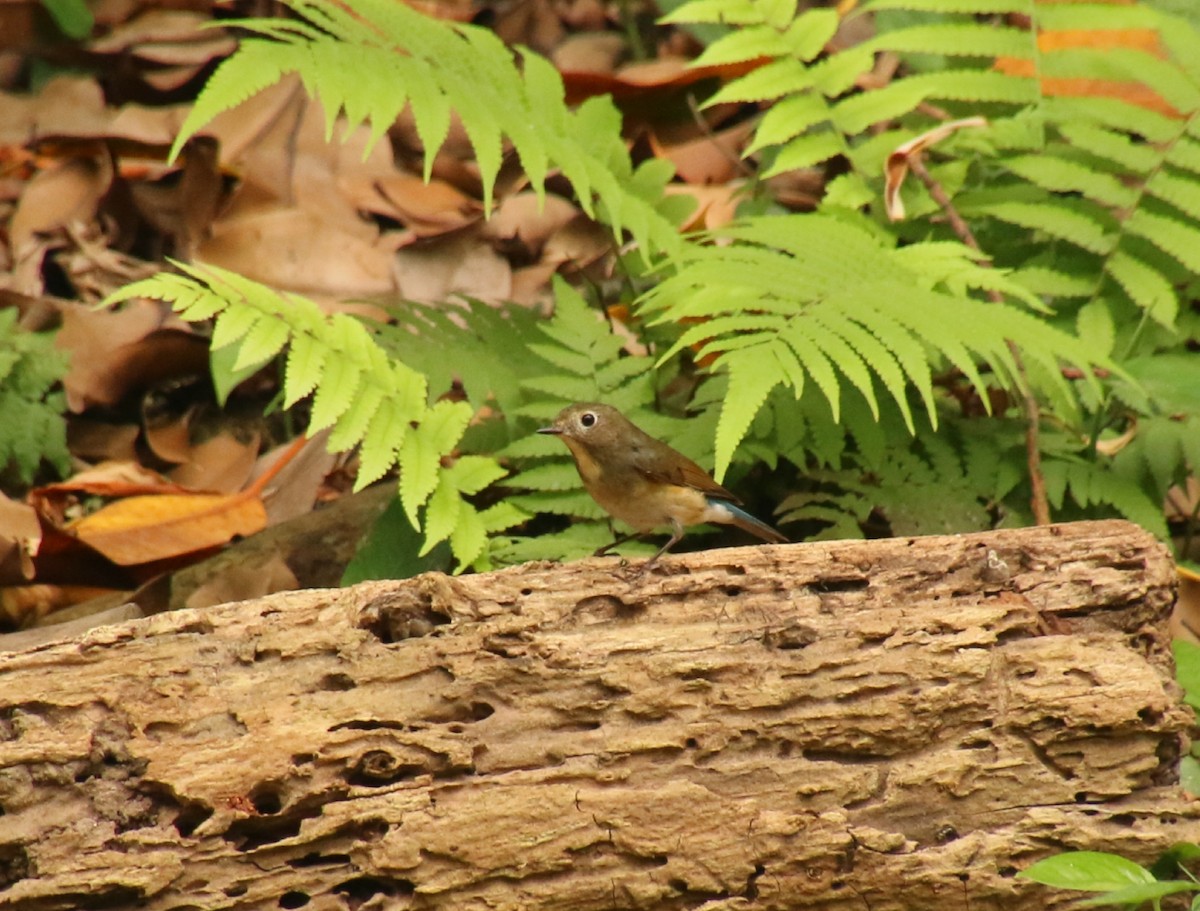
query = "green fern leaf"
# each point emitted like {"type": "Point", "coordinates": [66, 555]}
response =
{"type": "Point", "coordinates": [950, 6]}
{"type": "Point", "coordinates": [233, 324]}
{"type": "Point", "coordinates": [421, 452]}
{"type": "Point", "coordinates": [856, 113]}
{"type": "Point", "coordinates": [305, 362]}
{"type": "Point", "coordinates": [258, 65]}
{"type": "Point", "coordinates": [779, 78]}
{"type": "Point", "coordinates": [744, 44]}
{"type": "Point", "coordinates": [806, 151]}
{"type": "Point", "coordinates": [1181, 192]}
{"type": "Point", "coordinates": [725, 12]}
{"type": "Point", "coordinates": [442, 514]}
{"type": "Point", "coordinates": [559, 475]}
{"type": "Point", "coordinates": [789, 118]}
{"type": "Point", "coordinates": [1063, 175]}
{"type": "Point", "coordinates": [1174, 237]}
{"type": "Point", "coordinates": [1145, 286]}
{"type": "Point", "coordinates": [352, 425]}
{"type": "Point", "coordinates": [1184, 153]}
{"type": "Point", "coordinates": [340, 384]}
{"type": "Point", "coordinates": [751, 378]}
{"type": "Point", "coordinates": [1053, 282]}
{"type": "Point", "coordinates": [501, 517]}
{"type": "Point", "coordinates": [1111, 113]}
{"type": "Point", "coordinates": [380, 446]}
{"type": "Point", "coordinates": [264, 340]}
{"type": "Point", "coordinates": [968, 39]}
{"type": "Point", "coordinates": [1114, 145]}
{"type": "Point", "coordinates": [1081, 229]}
{"type": "Point", "coordinates": [808, 350]}
{"type": "Point", "coordinates": [471, 474]}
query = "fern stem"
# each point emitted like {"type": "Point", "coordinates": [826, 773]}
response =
{"type": "Point", "coordinates": [1038, 500]}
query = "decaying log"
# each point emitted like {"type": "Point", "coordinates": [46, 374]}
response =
{"type": "Point", "coordinates": [887, 725]}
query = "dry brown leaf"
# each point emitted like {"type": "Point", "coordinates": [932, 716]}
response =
{"type": "Point", "coordinates": [461, 264]}
{"type": "Point", "coordinates": [241, 583]}
{"type": "Point", "coordinates": [533, 23]}
{"type": "Point", "coordinates": [109, 479]}
{"type": "Point", "coordinates": [704, 157]}
{"type": "Point", "coordinates": [173, 37]}
{"type": "Point", "coordinates": [221, 463]}
{"type": "Point", "coordinates": [650, 77]}
{"type": "Point", "coordinates": [170, 437]}
{"type": "Point", "coordinates": [1185, 618]}
{"type": "Point", "coordinates": [531, 286]}
{"type": "Point", "coordinates": [715, 205]}
{"type": "Point", "coordinates": [896, 166]}
{"type": "Point", "coordinates": [579, 242]}
{"type": "Point", "coordinates": [146, 125]}
{"type": "Point", "coordinates": [524, 218]}
{"type": "Point", "coordinates": [116, 351]}
{"type": "Point", "coordinates": [1136, 93]}
{"type": "Point", "coordinates": [100, 441]}
{"type": "Point", "coordinates": [66, 106]}
{"type": "Point", "coordinates": [293, 490]}
{"type": "Point", "coordinates": [146, 529]}
{"type": "Point", "coordinates": [21, 606]}
{"type": "Point", "coordinates": [426, 209]}
{"type": "Point", "coordinates": [20, 536]}
{"type": "Point", "coordinates": [69, 192]}
{"type": "Point", "coordinates": [591, 52]}
{"type": "Point", "coordinates": [298, 250]}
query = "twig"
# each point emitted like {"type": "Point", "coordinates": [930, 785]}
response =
{"type": "Point", "coordinates": [1039, 502]}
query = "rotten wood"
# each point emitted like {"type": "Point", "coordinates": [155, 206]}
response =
{"type": "Point", "coordinates": [887, 724]}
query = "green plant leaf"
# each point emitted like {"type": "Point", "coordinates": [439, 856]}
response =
{"type": "Point", "coordinates": [1093, 871]}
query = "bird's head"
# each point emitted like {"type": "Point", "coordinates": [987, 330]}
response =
{"type": "Point", "coordinates": [589, 424]}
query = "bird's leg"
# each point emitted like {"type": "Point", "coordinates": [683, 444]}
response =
{"type": "Point", "coordinates": [621, 539]}
{"type": "Point", "coordinates": [677, 534]}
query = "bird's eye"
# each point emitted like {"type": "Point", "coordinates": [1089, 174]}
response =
{"type": "Point", "coordinates": [588, 419]}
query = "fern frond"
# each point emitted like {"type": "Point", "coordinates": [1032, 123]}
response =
{"type": "Point", "coordinates": [370, 63]}
{"type": "Point", "coordinates": [33, 429]}
{"type": "Point", "coordinates": [856, 312]}
{"type": "Point", "coordinates": [367, 398]}
{"type": "Point", "coordinates": [1090, 485]}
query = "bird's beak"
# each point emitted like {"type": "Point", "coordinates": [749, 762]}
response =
{"type": "Point", "coordinates": [553, 430]}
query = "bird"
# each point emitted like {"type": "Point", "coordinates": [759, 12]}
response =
{"type": "Point", "coordinates": [642, 481]}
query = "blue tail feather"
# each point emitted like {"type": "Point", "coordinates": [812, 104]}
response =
{"type": "Point", "coordinates": [746, 522]}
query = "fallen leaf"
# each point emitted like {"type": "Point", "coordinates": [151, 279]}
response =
{"type": "Point", "coordinates": [426, 209]}
{"type": "Point", "coordinates": [22, 606]}
{"type": "Point", "coordinates": [114, 352]}
{"type": "Point", "coordinates": [65, 106]}
{"type": "Point", "coordinates": [298, 250]}
{"type": "Point", "coordinates": [701, 156]}
{"type": "Point", "coordinates": [457, 264]}
{"type": "Point", "coordinates": [20, 536]}
{"type": "Point", "coordinates": [716, 206]}
{"type": "Point", "coordinates": [294, 488]}
{"type": "Point", "coordinates": [69, 192]}
{"type": "Point", "coordinates": [241, 583]}
{"type": "Point", "coordinates": [222, 463]}
{"type": "Point", "coordinates": [896, 167]}
{"type": "Point", "coordinates": [522, 217]}
{"type": "Point", "coordinates": [98, 441]}
{"type": "Point", "coordinates": [590, 53]}
{"type": "Point", "coordinates": [146, 529]}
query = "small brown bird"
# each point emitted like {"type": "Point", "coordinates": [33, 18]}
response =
{"type": "Point", "coordinates": [643, 481]}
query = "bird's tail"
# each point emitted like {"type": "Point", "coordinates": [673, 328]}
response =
{"type": "Point", "coordinates": [747, 522]}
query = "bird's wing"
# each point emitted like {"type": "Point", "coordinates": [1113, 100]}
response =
{"type": "Point", "coordinates": [658, 462]}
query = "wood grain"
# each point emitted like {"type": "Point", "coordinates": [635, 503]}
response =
{"type": "Point", "coordinates": [888, 725]}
